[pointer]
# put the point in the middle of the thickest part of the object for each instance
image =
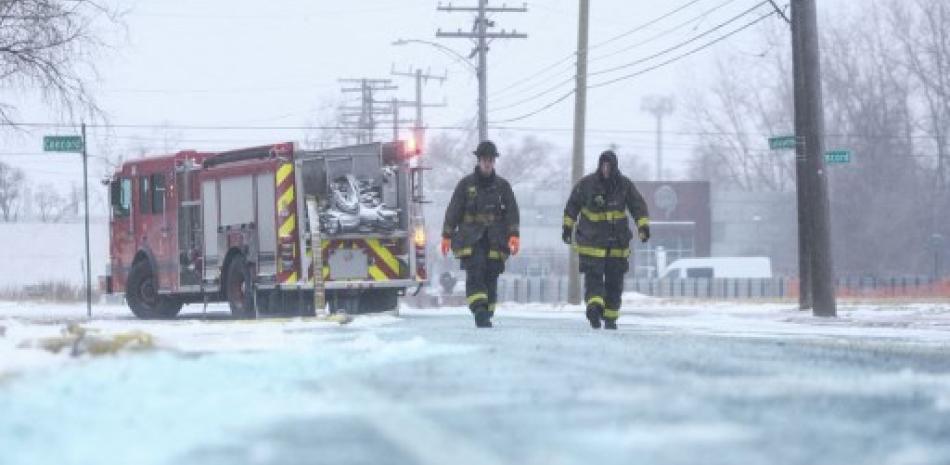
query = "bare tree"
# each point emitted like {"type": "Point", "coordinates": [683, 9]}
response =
{"type": "Point", "coordinates": [876, 199]}
{"type": "Point", "coordinates": [450, 157]}
{"type": "Point", "coordinates": [48, 46]}
{"type": "Point", "coordinates": [535, 163]}
{"type": "Point", "coordinates": [750, 99]}
{"type": "Point", "coordinates": [11, 189]}
{"type": "Point", "coordinates": [326, 126]}
{"type": "Point", "coordinates": [50, 206]}
{"type": "Point", "coordinates": [922, 28]}
{"type": "Point", "coordinates": [631, 164]}
{"type": "Point", "coordinates": [882, 69]}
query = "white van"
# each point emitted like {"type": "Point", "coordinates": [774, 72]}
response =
{"type": "Point", "coordinates": [720, 267]}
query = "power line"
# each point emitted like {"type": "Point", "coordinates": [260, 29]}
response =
{"type": "Point", "coordinates": [665, 32]}
{"type": "Point", "coordinates": [481, 35]}
{"type": "Point", "coordinates": [535, 96]}
{"type": "Point", "coordinates": [685, 55]}
{"type": "Point", "coordinates": [496, 125]}
{"type": "Point", "coordinates": [516, 84]}
{"type": "Point", "coordinates": [539, 110]}
{"type": "Point", "coordinates": [641, 60]}
{"type": "Point", "coordinates": [644, 26]}
{"type": "Point", "coordinates": [682, 44]}
{"type": "Point", "coordinates": [644, 71]}
{"type": "Point", "coordinates": [612, 39]}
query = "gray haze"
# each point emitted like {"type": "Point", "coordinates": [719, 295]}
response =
{"type": "Point", "coordinates": [245, 63]}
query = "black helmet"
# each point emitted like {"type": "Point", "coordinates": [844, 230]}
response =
{"type": "Point", "coordinates": [486, 149]}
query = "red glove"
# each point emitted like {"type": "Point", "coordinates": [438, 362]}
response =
{"type": "Point", "coordinates": [514, 244]}
{"type": "Point", "coordinates": [446, 245]}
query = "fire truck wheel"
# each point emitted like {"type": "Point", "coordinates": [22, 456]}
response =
{"type": "Point", "coordinates": [238, 288]}
{"type": "Point", "coordinates": [142, 294]}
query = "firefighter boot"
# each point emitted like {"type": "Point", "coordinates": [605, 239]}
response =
{"type": "Point", "coordinates": [482, 317]}
{"type": "Point", "coordinates": [594, 313]}
{"type": "Point", "coordinates": [610, 323]}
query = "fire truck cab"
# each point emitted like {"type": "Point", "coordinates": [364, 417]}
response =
{"type": "Point", "coordinates": [265, 228]}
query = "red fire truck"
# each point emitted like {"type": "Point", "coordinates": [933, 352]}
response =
{"type": "Point", "coordinates": [250, 226]}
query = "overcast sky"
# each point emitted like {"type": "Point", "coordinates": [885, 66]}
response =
{"type": "Point", "coordinates": [277, 63]}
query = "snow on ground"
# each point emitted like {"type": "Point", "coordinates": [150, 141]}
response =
{"type": "Point", "coordinates": [198, 333]}
{"type": "Point", "coordinates": [193, 333]}
{"type": "Point", "coordinates": [923, 322]}
{"type": "Point", "coordinates": [223, 391]}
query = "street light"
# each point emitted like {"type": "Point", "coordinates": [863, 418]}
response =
{"type": "Point", "coordinates": [455, 55]}
{"type": "Point", "coordinates": [659, 107]}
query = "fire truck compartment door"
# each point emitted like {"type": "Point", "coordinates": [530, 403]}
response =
{"type": "Point", "coordinates": [239, 207]}
{"type": "Point", "coordinates": [266, 224]}
{"type": "Point", "coordinates": [348, 264]}
{"type": "Point", "coordinates": [209, 195]}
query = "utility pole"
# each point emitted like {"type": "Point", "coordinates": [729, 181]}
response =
{"type": "Point", "coordinates": [85, 188]}
{"type": "Point", "coordinates": [395, 107]}
{"type": "Point", "coordinates": [481, 35]}
{"type": "Point", "coordinates": [659, 107]}
{"type": "Point", "coordinates": [805, 22]}
{"type": "Point", "coordinates": [801, 173]}
{"type": "Point", "coordinates": [421, 78]}
{"type": "Point", "coordinates": [580, 127]}
{"type": "Point", "coordinates": [368, 109]}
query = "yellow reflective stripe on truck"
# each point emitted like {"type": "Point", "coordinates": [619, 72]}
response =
{"type": "Point", "coordinates": [385, 254]}
{"type": "Point", "coordinates": [284, 171]}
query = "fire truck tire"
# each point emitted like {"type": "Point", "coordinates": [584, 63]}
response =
{"type": "Point", "coordinates": [142, 295]}
{"type": "Point", "coordinates": [237, 288]}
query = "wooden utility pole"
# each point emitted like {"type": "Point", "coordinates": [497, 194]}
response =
{"type": "Point", "coordinates": [481, 35]}
{"type": "Point", "coordinates": [418, 103]}
{"type": "Point", "coordinates": [801, 174]}
{"type": "Point", "coordinates": [809, 111]}
{"type": "Point", "coordinates": [580, 126]}
{"type": "Point", "coordinates": [369, 108]}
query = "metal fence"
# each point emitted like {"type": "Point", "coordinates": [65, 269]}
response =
{"type": "Point", "coordinates": [552, 290]}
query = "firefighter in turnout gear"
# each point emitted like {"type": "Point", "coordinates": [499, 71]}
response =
{"type": "Point", "coordinates": [596, 218]}
{"type": "Point", "coordinates": [481, 229]}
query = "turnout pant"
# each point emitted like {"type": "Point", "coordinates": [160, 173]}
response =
{"type": "Point", "coordinates": [482, 269]}
{"type": "Point", "coordinates": [603, 283]}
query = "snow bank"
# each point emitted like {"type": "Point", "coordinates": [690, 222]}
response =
{"type": "Point", "coordinates": [213, 333]}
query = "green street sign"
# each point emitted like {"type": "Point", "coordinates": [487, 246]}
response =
{"type": "Point", "coordinates": [783, 143]}
{"type": "Point", "coordinates": [838, 157]}
{"type": "Point", "coordinates": [62, 144]}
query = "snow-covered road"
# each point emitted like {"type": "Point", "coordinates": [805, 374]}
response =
{"type": "Point", "coordinates": [677, 384]}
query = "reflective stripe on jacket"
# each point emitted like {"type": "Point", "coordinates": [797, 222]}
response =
{"type": "Point", "coordinates": [481, 207]}
{"type": "Point", "coordinates": [597, 209]}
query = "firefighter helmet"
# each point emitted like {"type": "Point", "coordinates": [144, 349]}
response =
{"type": "Point", "coordinates": [486, 149]}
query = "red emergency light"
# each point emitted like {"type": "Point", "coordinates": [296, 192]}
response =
{"type": "Point", "coordinates": [401, 151]}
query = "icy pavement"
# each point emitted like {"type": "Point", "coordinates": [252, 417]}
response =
{"type": "Point", "coordinates": [679, 383]}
